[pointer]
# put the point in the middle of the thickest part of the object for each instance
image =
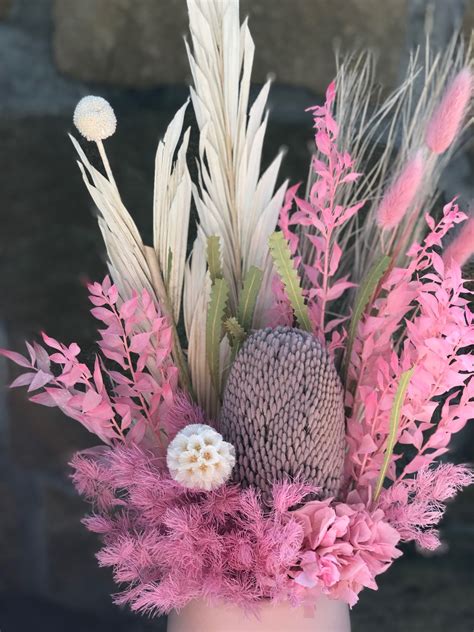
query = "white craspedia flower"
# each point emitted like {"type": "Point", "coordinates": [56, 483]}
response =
{"type": "Point", "coordinates": [199, 458]}
{"type": "Point", "coordinates": [94, 118]}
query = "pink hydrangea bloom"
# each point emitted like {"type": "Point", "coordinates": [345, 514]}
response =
{"type": "Point", "coordinates": [346, 545]}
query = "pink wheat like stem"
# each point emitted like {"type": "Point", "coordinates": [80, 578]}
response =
{"type": "Point", "coordinates": [401, 193]}
{"type": "Point", "coordinates": [140, 397]}
{"type": "Point", "coordinates": [448, 117]}
{"type": "Point", "coordinates": [462, 247]}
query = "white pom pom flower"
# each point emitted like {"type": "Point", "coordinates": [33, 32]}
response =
{"type": "Point", "coordinates": [95, 118]}
{"type": "Point", "coordinates": [199, 458]}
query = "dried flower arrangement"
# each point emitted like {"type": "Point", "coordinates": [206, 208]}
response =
{"type": "Point", "coordinates": [264, 455]}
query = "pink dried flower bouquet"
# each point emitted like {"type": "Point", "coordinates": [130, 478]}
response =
{"type": "Point", "coordinates": [183, 511]}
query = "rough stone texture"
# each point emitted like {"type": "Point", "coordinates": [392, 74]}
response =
{"type": "Point", "coordinates": [296, 40]}
{"type": "Point", "coordinates": [29, 81]}
{"type": "Point", "coordinates": [5, 6]}
{"type": "Point", "coordinates": [138, 42]}
{"type": "Point", "coordinates": [468, 22]}
{"type": "Point", "coordinates": [8, 534]}
{"type": "Point", "coordinates": [132, 43]}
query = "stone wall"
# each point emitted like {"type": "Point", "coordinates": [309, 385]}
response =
{"type": "Point", "coordinates": [139, 42]}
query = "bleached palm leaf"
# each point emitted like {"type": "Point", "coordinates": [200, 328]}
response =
{"type": "Point", "coordinates": [196, 298]}
{"type": "Point", "coordinates": [232, 200]}
{"type": "Point", "coordinates": [132, 265]}
{"type": "Point", "coordinates": [125, 250]}
{"type": "Point", "coordinates": [171, 207]}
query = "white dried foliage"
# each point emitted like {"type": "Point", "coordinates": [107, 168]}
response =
{"type": "Point", "coordinates": [132, 265]}
{"type": "Point", "coordinates": [197, 291]}
{"type": "Point", "coordinates": [171, 207]}
{"type": "Point", "coordinates": [233, 201]}
{"type": "Point", "coordinates": [125, 250]}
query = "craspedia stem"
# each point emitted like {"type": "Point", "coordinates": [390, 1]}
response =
{"type": "Point", "coordinates": [105, 162]}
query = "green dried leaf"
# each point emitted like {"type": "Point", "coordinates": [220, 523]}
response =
{"type": "Point", "coordinates": [281, 255]}
{"type": "Point", "coordinates": [248, 298]}
{"type": "Point", "coordinates": [236, 333]}
{"type": "Point", "coordinates": [395, 415]}
{"type": "Point", "coordinates": [214, 257]}
{"type": "Point", "coordinates": [366, 290]}
{"type": "Point", "coordinates": [215, 319]}
{"type": "Point", "coordinates": [235, 329]}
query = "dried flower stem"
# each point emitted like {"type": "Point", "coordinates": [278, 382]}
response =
{"type": "Point", "coordinates": [105, 162]}
{"type": "Point", "coordinates": [160, 289]}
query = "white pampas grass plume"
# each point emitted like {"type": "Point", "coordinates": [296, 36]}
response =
{"type": "Point", "coordinates": [448, 117]}
{"type": "Point", "coordinates": [199, 458]}
{"type": "Point", "coordinates": [95, 118]}
{"type": "Point", "coordinates": [461, 248]}
{"type": "Point", "coordinates": [401, 193]}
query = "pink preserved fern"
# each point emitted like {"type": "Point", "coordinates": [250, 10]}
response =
{"type": "Point", "coordinates": [112, 404]}
{"type": "Point", "coordinates": [439, 324]}
{"type": "Point", "coordinates": [448, 117]}
{"type": "Point", "coordinates": [317, 220]}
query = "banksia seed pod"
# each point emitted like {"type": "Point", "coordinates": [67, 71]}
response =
{"type": "Point", "coordinates": [283, 412]}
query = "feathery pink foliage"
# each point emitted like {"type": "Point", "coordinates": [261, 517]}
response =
{"type": "Point", "coordinates": [171, 545]}
{"type": "Point", "coordinates": [346, 545]}
{"type": "Point", "coordinates": [430, 300]}
{"type": "Point", "coordinates": [317, 218]}
{"type": "Point", "coordinates": [401, 193]}
{"type": "Point", "coordinates": [414, 506]}
{"type": "Point", "coordinates": [448, 117]}
{"type": "Point", "coordinates": [461, 248]}
{"type": "Point", "coordinates": [112, 404]}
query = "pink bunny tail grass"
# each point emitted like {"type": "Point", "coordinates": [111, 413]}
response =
{"type": "Point", "coordinates": [401, 193]}
{"type": "Point", "coordinates": [447, 118]}
{"type": "Point", "coordinates": [461, 248]}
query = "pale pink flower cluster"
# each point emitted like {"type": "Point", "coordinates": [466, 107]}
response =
{"type": "Point", "coordinates": [346, 545]}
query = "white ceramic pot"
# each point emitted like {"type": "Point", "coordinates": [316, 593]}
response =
{"type": "Point", "coordinates": [329, 616]}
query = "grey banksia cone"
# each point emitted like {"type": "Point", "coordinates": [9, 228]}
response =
{"type": "Point", "coordinates": [283, 411]}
